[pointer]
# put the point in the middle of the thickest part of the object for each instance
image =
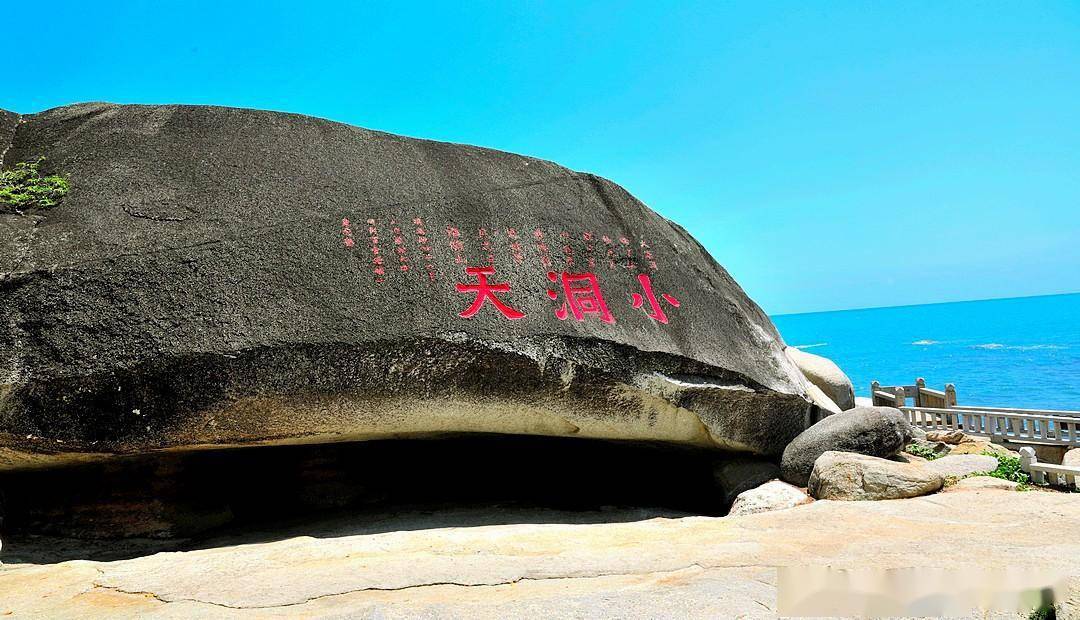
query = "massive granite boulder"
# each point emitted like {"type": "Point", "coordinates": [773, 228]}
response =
{"type": "Point", "coordinates": [220, 277]}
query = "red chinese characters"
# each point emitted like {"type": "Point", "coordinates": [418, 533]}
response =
{"type": "Point", "coordinates": [346, 233]}
{"type": "Point", "coordinates": [485, 291]}
{"type": "Point", "coordinates": [485, 245]}
{"type": "Point", "coordinates": [656, 312]}
{"type": "Point", "coordinates": [582, 296]}
{"type": "Point", "coordinates": [542, 248]}
{"type": "Point", "coordinates": [590, 247]}
{"type": "Point", "coordinates": [560, 253]}
{"type": "Point", "coordinates": [376, 255]}
{"type": "Point", "coordinates": [424, 244]}
{"type": "Point", "coordinates": [399, 246]}
{"type": "Point", "coordinates": [456, 244]}
{"type": "Point", "coordinates": [517, 252]}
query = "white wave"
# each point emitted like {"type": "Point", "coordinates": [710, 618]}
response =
{"type": "Point", "coordinates": [809, 346]}
{"type": "Point", "coordinates": [1017, 347]}
{"type": "Point", "coordinates": [925, 343]}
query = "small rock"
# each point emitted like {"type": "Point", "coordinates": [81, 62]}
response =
{"type": "Point", "coordinates": [1071, 458]}
{"type": "Point", "coordinates": [874, 431]}
{"type": "Point", "coordinates": [952, 437]}
{"type": "Point", "coordinates": [849, 476]}
{"type": "Point", "coordinates": [826, 375]}
{"type": "Point", "coordinates": [960, 465]}
{"type": "Point", "coordinates": [737, 475]}
{"type": "Point", "coordinates": [773, 495]}
{"type": "Point", "coordinates": [917, 433]}
{"type": "Point", "coordinates": [987, 482]}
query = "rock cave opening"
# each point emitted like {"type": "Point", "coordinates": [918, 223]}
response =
{"type": "Point", "coordinates": [175, 500]}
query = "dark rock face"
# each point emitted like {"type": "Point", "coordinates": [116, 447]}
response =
{"type": "Point", "coordinates": [220, 276]}
{"type": "Point", "coordinates": [734, 476]}
{"type": "Point", "coordinates": [872, 431]}
{"type": "Point", "coordinates": [8, 122]}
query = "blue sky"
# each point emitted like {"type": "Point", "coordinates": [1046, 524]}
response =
{"type": "Point", "coordinates": [830, 155]}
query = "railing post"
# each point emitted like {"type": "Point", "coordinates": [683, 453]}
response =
{"type": "Point", "coordinates": [1028, 464]}
{"type": "Point", "coordinates": [1027, 458]}
{"type": "Point", "coordinates": [900, 402]}
{"type": "Point", "coordinates": [920, 383]}
{"type": "Point", "coordinates": [874, 387]}
{"type": "Point", "coordinates": [950, 395]}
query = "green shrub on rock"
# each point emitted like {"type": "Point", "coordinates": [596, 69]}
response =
{"type": "Point", "coordinates": [1008, 469]}
{"type": "Point", "coordinates": [922, 450]}
{"type": "Point", "coordinates": [1043, 612]}
{"type": "Point", "coordinates": [24, 187]}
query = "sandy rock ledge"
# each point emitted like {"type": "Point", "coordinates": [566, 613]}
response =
{"type": "Point", "coordinates": [454, 565]}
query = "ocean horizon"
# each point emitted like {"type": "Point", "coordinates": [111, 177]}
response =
{"type": "Point", "coordinates": [1021, 352]}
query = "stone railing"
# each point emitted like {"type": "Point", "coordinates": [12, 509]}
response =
{"type": "Point", "coordinates": [1029, 426]}
{"type": "Point", "coordinates": [921, 396]}
{"type": "Point", "coordinates": [1045, 473]}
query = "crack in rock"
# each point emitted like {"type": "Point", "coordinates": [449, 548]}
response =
{"type": "Point", "coordinates": [166, 600]}
{"type": "Point", "coordinates": [154, 218]}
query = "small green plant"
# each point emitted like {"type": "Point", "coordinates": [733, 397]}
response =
{"type": "Point", "coordinates": [23, 187]}
{"type": "Point", "coordinates": [923, 451]}
{"type": "Point", "coordinates": [1008, 469]}
{"type": "Point", "coordinates": [1044, 612]}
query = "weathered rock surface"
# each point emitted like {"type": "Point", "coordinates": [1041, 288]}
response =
{"type": "Point", "coordinates": [987, 482]}
{"type": "Point", "coordinates": [826, 375]}
{"type": "Point", "coordinates": [824, 403]}
{"type": "Point", "coordinates": [952, 437]}
{"type": "Point", "coordinates": [550, 565]}
{"type": "Point", "coordinates": [850, 476]}
{"type": "Point", "coordinates": [773, 495]}
{"type": "Point", "coordinates": [905, 457]}
{"type": "Point", "coordinates": [875, 431]}
{"type": "Point", "coordinates": [956, 442]}
{"type": "Point", "coordinates": [220, 276]}
{"type": "Point", "coordinates": [959, 465]}
{"type": "Point", "coordinates": [978, 446]}
{"type": "Point", "coordinates": [1071, 458]}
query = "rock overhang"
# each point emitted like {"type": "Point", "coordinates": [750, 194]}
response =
{"type": "Point", "coordinates": [225, 276]}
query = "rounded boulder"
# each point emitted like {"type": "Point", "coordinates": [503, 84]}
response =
{"type": "Point", "coordinates": [873, 431]}
{"type": "Point", "coordinates": [773, 495]}
{"type": "Point", "coordinates": [849, 476]}
{"type": "Point", "coordinates": [826, 375]}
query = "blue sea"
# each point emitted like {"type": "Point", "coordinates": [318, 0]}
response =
{"type": "Point", "coordinates": [1022, 352]}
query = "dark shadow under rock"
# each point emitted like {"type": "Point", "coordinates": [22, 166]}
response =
{"type": "Point", "coordinates": [180, 500]}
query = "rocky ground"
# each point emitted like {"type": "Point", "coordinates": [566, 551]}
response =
{"type": "Point", "coordinates": [487, 563]}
